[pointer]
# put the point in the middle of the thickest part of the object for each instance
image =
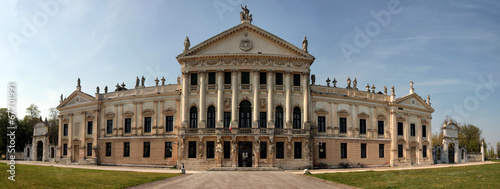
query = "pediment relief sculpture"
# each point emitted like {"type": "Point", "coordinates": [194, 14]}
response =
{"type": "Point", "coordinates": [343, 113]}
{"type": "Point", "coordinates": [109, 115]}
{"type": "Point", "coordinates": [128, 114]}
{"type": "Point", "coordinates": [148, 112]}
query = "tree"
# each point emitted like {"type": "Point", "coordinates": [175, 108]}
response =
{"type": "Point", "coordinates": [53, 125]}
{"type": "Point", "coordinates": [437, 139]}
{"type": "Point", "coordinates": [33, 111]}
{"type": "Point", "coordinates": [4, 123]}
{"type": "Point", "coordinates": [498, 149]}
{"type": "Point", "coordinates": [470, 137]}
{"type": "Point", "coordinates": [492, 152]}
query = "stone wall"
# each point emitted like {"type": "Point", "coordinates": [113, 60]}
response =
{"type": "Point", "coordinates": [474, 157]}
{"type": "Point", "coordinates": [157, 152]}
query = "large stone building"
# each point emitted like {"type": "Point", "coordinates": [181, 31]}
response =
{"type": "Point", "coordinates": [245, 99]}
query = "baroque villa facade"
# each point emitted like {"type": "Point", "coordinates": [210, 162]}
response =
{"type": "Point", "coordinates": [245, 99]}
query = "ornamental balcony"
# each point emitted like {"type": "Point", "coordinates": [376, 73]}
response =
{"type": "Point", "coordinates": [242, 132]}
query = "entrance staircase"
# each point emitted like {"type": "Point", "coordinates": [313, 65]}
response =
{"type": "Point", "coordinates": [245, 169]}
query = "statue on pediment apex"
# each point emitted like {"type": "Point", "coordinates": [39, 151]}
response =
{"type": "Point", "coordinates": [187, 44]}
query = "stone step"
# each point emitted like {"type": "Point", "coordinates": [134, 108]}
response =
{"type": "Point", "coordinates": [245, 169]}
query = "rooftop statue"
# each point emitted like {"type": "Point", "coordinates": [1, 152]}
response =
{"type": "Point", "coordinates": [245, 15]}
{"type": "Point", "coordinates": [355, 84]}
{"type": "Point", "coordinates": [187, 44]}
{"type": "Point", "coordinates": [348, 82]}
{"type": "Point", "coordinates": [304, 44]}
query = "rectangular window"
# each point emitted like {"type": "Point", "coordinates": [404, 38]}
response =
{"type": "Point", "coordinates": [322, 150]}
{"type": "Point", "coordinates": [297, 150]}
{"type": "Point", "coordinates": [65, 149]}
{"type": "Point", "coordinates": [263, 150]}
{"type": "Point", "coordinates": [108, 148]}
{"type": "Point", "coordinates": [380, 127]}
{"type": "Point", "coordinates": [210, 149]}
{"type": "Point", "coordinates": [227, 119]}
{"type": "Point", "coordinates": [65, 130]}
{"type": "Point", "coordinates": [168, 149]}
{"type": "Point", "coordinates": [245, 77]}
{"type": "Point", "coordinates": [296, 79]}
{"type": "Point", "coordinates": [126, 149]}
{"type": "Point", "coordinates": [89, 149]}
{"type": "Point", "coordinates": [321, 124]}
{"type": "Point", "coordinates": [424, 131]}
{"type": "Point", "coordinates": [147, 124]}
{"type": "Point", "coordinates": [400, 151]}
{"type": "Point", "coordinates": [279, 78]}
{"type": "Point", "coordinates": [280, 150]}
{"type": "Point", "coordinates": [363, 150]}
{"type": "Point", "coordinates": [412, 129]}
{"type": "Point", "coordinates": [263, 78]}
{"type": "Point", "coordinates": [343, 125]}
{"type": "Point", "coordinates": [169, 125]}
{"type": "Point", "coordinates": [381, 150]}
{"type": "Point", "coordinates": [109, 126]}
{"type": "Point", "coordinates": [90, 127]}
{"type": "Point", "coordinates": [194, 79]}
{"type": "Point", "coordinates": [227, 77]}
{"type": "Point", "coordinates": [146, 149]}
{"type": "Point", "coordinates": [400, 128]}
{"type": "Point", "coordinates": [343, 150]}
{"type": "Point", "coordinates": [263, 120]}
{"type": "Point", "coordinates": [128, 125]}
{"type": "Point", "coordinates": [362, 126]}
{"type": "Point", "coordinates": [211, 78]}
{"type": "Point", "coordinates": [192, 149]}
{"type": "Point", "coordinates": [227, 150]}
{"type": "Point", "coordinates": [424, 151]}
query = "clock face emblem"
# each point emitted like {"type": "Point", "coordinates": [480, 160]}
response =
{"type": "Point", "coordinates": [246, 45]}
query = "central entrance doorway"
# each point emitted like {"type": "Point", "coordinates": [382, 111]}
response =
{"type": "Point", "coordinates": [413, 156]}
{"type": "Point", "coordinates": [245, 154]}
{"type": "Point", "coordinates": [451, 153]}
{"type": "Point", "coordinates": [39, 151]}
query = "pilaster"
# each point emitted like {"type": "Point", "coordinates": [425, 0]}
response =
{"type": "Point", "coordinates": [256, 98]}
{"type": "Point", "coordinates": [270, 98]}
{"type": "Point", "coordinates": [203, 110]}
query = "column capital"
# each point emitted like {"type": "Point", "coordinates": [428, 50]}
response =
{"type": "Point", "coordinates": [288, 72]}
{"type": "Point", "coordinates": [255, 70]}
{"type": "Point", "coordinates": [270, 70]}
{"type": "Point", "coordinates": [184, 73]}
{"type": "Point", "coordinates": [234, 70]}
{"type": "Point", "coordinates": [220, 70]}
{"type": "Point", "coordinates": [305, 73]}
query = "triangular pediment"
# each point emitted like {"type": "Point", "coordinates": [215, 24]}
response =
{"type": "Point", "coordinates": [76, 98]}
{"type": "Point", "coordinates": [245, 40]}
{"type": "Point", "coordinates": [414, 101]}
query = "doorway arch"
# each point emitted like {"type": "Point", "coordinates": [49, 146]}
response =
{"type": "Point", "coordinates": [451, 153]}
{"type": "Point", "coordinates": [39, 151]}
{"type": "Point", "coordinates": [245, 114]}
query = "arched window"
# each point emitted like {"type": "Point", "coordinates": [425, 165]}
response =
{"type": "Point", "coordinates": [279, 117]}
{"type": "Point", "coordinates": [211, 117]}
{"type": "Point", "coordinates": [296, 118]}
{"type": "Point", "coordinates": [193, 117]}
{"type": "Point", "coordinates": [245, 114]}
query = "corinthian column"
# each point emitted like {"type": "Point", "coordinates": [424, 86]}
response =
{"type": "Point", "coordinates": [288, 92]}
{"type": "Point", "coordinates": [203, 110]}
{"type": "Point", "coordinates": [270, 104]}
{"type": "Point", "coordinates": [184, 99]}
{"type": "Point", "coordinates": [256, 99]}
{"type": "Point", "coordinates": [234, 99]}
{"type": "Point", "coordinates": [220, 100]}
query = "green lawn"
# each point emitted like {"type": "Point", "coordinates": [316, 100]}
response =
{"type": "Point", "coordinates": [33, 176]}
{"type": "Point", "coordinates": [477, 176]}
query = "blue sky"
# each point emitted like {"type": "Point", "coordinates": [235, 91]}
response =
{"type": "Point", "coordinates": [450, 49]}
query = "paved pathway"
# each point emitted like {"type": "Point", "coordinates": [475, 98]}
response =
{"type": "Point", "coordinates": [240, 179]}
